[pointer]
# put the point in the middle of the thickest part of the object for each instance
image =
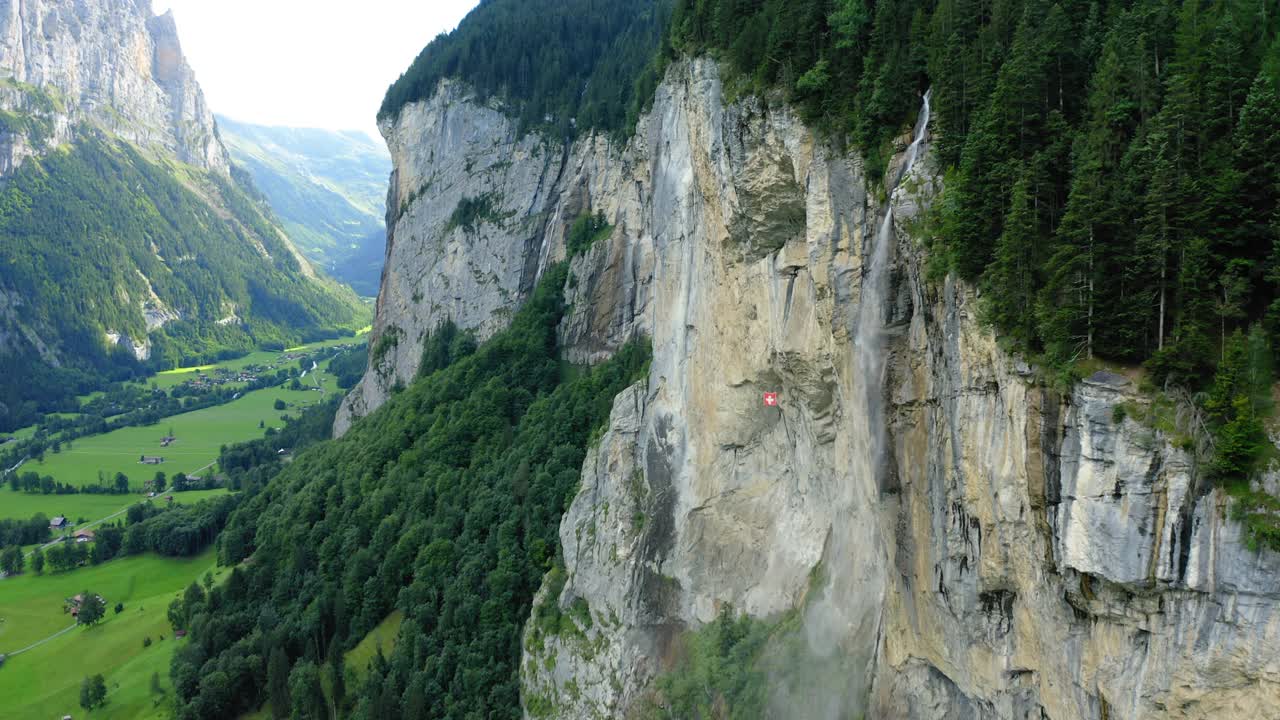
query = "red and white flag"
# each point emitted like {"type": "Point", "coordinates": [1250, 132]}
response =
{"type": "Point", "coordinates": [771, 399]}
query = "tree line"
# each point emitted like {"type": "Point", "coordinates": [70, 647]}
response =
{"type": "Point", "coordinates": [175, 531]}
{"type": "Point", "coordinates": [564, 66]}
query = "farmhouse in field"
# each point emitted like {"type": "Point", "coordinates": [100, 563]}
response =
{"type": "Point", "coordinates": [58, 523]}
{"type": "Point", "coordinates": [150, 460]}
{"type": "Point", "coordinates": [167, 440]}
{"type": "Point", "coordinates": [83, 536]}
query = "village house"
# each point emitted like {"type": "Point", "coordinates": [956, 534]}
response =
{"type": "Point", "coordinates": [58, 523]}
{"type": "Point", "coordinates": [150, 460]}
{"type": "Point", "coordinates": [83, 536]}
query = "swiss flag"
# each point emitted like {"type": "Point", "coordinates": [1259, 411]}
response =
{"type": "Point", "coordinates": [771, 399]}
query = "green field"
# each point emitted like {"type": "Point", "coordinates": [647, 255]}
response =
{"type": "Point", "coordinates": [172, 378]}
{"type": "Point", "coordinates": [45, 682]}
{"type": "Point", "coordinates": [75, 507]}
{"type": "Point", "coordinates": [200, 435]}
{"type": "Point", "coordinates": [20, 506]}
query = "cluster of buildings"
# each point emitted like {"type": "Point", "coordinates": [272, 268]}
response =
{"type": "Point", "coordinates": [60, 523]}
{"type": "Point", "coordinates": [204, 381]}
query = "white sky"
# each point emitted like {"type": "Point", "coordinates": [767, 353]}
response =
{"type": "Point", "coordinates": [306, 63]}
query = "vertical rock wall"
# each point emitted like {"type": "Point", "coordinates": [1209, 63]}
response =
{"type": "Point", "coordinates": [1028, 555]}
{"type": "Point", "coordinates": [108, 63]}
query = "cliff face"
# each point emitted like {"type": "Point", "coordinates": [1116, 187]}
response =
{"type": "Point", "coordinates": [104, 63]}
{"type": "Point", "coordinates": [952, 540]}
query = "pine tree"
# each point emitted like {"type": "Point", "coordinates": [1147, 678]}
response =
{"type": "Point", "coordinates": [1257, 162]}
{"type": "Point", "coordinates": [278, 684]}
{"type": "Point", "coordinates": [1158, 235]}
{"type": "Point", "coordinates": [1190, 355]}
{"type": "Point", "coordinates": [1010, 279]}
{"type": "Point", "coordinates": [1238, 432]}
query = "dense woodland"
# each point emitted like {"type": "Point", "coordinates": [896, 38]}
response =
{"type": "Point", "coordinates": [1112, 188]}
{"type": "Point", "coordinates": [91, 232]}
{"type": "Point", "coordinates": [563, 65]}
{"type": "Point", "coordinates": [444, 504]}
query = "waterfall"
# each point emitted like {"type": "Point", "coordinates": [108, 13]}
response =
{"type": "Point", "coordinates": [873, 303]}
{"type": "Point", "coordinates": [842, 623]}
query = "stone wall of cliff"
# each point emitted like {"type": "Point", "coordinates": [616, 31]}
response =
{"type": "Point", "coordinates": [108, 64]}
{"type": "Point", "coordinates": [1001, 550]}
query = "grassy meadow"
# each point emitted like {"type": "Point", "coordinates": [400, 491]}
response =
{"type": "Point", "coordinates": [45, 681]}
{"type": "Point", "coordinates": [200, 435]}
{"type": "Point", "coordinates": [384, 636]}
{"type": "Point", "coordinates": [172, 378]}
{"type": "Point", "coordinates": [19, 505]}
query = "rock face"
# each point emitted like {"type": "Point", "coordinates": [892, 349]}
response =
{"type": "Point", "coordinates": [1004, 552]}
{"type": "Point", "coordinates": [467, 212]}
{"type": "Point", "coordinates": [108, 64]}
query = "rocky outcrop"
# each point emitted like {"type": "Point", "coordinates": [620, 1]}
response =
{"type": "Point", "coordinates": [466, 216]}
{"type": "Point", "coordinates": [999, 551]}
{"type": "Point", "coordinates": [108, 64]}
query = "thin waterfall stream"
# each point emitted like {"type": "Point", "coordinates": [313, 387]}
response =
{"type": "Point", "coordinates": [841, 624]}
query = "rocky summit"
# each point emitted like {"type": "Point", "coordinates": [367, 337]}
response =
{"type": "Point", "coordinates": [110, 64]}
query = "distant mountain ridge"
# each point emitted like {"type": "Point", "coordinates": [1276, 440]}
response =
{"type": "Point", "coordinates": [128, 241]}
{"type": "Point", "coordinates": [328, 188]}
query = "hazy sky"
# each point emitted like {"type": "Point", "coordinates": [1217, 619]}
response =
{"type": "Point", "coordinates": [306, 63]}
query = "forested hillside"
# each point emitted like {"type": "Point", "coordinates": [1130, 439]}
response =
{"type": "Point", "coordinates": [445, 505]}
{"type": "Point", "coordinates": [328, 189]}
{"type": "Point", "coordinates": [99, 239]}
{"type": "Point", "coordinates": [565, 65]}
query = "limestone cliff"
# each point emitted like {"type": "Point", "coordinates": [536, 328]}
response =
{"type": "Point", "coordinates": [955, 539]}
{"type": "Point", "coordinates": [108, 64]}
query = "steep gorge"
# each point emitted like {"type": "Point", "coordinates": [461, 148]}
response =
{"type": "Point", "coordinates": [1018, 552]}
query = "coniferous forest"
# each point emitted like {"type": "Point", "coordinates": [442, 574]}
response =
{"type": "Point", "coordinates": [558, 66]}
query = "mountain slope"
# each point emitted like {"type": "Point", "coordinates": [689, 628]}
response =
{"type": "Point", "coordinates": [130, 243]}
{"type": "Point", "coordinates": [925, 524]}
{"type": "Point", "coordinates": [328, 189]}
